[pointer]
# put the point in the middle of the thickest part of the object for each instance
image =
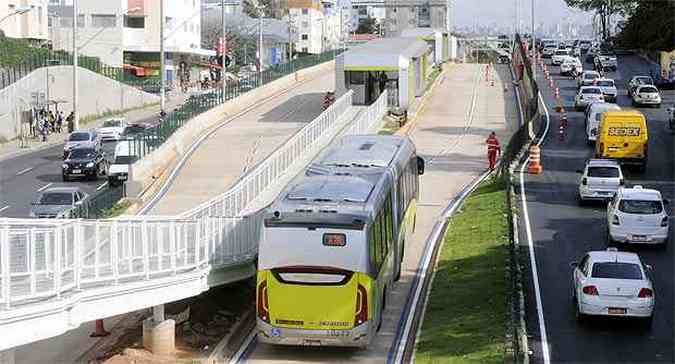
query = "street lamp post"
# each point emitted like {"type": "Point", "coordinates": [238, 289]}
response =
{"type": "Point", "coordinates": [76, 117]}
{"type": "Point", "coordinates": [18, 11]}
{"type": "Point", "coordinates": [162, 60]}
{"type": "Point", "coordinates": [224, 47]}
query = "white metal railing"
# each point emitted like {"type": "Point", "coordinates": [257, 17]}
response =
{"type": "Point", "coordinates": [47, 259]}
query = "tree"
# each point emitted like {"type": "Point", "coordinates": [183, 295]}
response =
{"type": "Point", "coordinates": [649, 27]}
{"type": "Point", "coordinates": [367, 26]}
{"type": "Point", "coordinates": [605, 10]}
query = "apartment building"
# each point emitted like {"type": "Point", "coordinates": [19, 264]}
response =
{"type": "Point", "coordinates": [25, 19]}
{"type": "Point", "coordinates": [125, 33]}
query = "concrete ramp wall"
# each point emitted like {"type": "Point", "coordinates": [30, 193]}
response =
{"type": "Point", "coordinates": [98, 94]}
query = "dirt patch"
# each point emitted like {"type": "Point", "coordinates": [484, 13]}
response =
{"type": "Point", "coordinates": [212, 315]}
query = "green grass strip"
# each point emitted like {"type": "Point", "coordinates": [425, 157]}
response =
{"type": "Point", "coordinates": [466, 316]}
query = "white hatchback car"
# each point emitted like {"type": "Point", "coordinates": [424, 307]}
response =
{"type": "Point", "coordinates": [588, 95]}
{"type": "Point", "coordinates": [113, 129]}
{"type": "Point", "coordinates": [594, 115]}
{"type": "Point", "coordinates": [637, 215]}
{"type": "Point", "coordinates": [612, 283]}
{"type": "Point", "coordinates": [587, 78]}
{"type": "Point", "coordinates": [600, 180]}
{"type": "Point", "coordinates": [570, 65]}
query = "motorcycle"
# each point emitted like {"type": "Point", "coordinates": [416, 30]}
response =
{"type": "Point", "coordinates": [328, 99]}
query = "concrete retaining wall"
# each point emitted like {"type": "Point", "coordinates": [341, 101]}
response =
{"type": "Point", "coordinates": [98, 94]}
{"type": "Point", "coordinates": [152, 166]}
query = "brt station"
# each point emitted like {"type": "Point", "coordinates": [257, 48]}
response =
{"type": "Point", "coordinates": [399, 65]}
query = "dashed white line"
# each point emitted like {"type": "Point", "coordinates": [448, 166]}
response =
{"type": "Point", "coordinates": [101, 186]}
{"type": "Point", "coordinates": [45, 187]}
{"type": "Point", "coordinates": [24, 171]}
{"type": "Point", "coordinates": [4, 208]}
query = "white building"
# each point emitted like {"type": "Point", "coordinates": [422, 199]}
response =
{"type": "Point", "coordinates": [126, 32]}
{"type": "Point", "coordinates": [307, 19]}
{"type": "Point", "coordinates": [24, 19]}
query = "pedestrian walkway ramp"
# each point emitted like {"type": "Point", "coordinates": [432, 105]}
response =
{"type": "Point", "coordinates": [57, 274]}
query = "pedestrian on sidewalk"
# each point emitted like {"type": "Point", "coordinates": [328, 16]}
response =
{"type": "Point", "coordinates": [59, 121]}
{"type": "Point", "coordinates": [493, 149]}
{"type": "Point", "coordinates": [71, 122]}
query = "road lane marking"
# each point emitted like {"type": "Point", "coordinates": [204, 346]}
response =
{"type": "Point", "coordinates": [533, 261]}
{"type": "Point", "coordinates": [101, 186]}
{"type": "Point", "coordinates": [4, 208]}
{"type": "Point", "coordinates": [242, 354]}
{"type": "Point", "coordinates": [24, 171]}
{"type": "Point", "coordinates": [44, 187]}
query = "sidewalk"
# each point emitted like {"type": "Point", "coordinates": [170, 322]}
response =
{"type": "Point", "coordinates": [236, 148]}
{"type": "Point", "coordinates": [13, 149]}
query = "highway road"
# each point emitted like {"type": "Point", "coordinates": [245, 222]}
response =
{"type": "Point", "coordinates": [562, 232]}
{"type": "Point", "coordinates": [23, 177]}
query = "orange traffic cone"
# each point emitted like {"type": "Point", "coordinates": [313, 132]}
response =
{"type": "Point", "coordinates": [535, 160]}
{"type": "Point", "coordinates": [100, 330]}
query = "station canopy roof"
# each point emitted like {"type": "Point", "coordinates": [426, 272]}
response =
{"type": "Point", "coordinates": [383, 54]}
{"type": "Point", "coordinates": [429, 33]}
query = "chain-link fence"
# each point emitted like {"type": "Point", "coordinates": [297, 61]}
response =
{"type": "Point", "coordinates": [98, 206]}
{"type": "Point", "coordinates": [13, 73]}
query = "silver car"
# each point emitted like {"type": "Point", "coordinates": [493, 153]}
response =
{"type": "Point", "coordinates": [608, 88]}
{"type": "Point", "coordinates": [80, 139]}
{"type": "Point", "coordinates": [57, 202]}
{"type": "Point", "coordinates": [600, 180]}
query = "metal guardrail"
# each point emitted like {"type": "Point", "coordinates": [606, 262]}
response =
{"type": "Point", "coordinates": [247, 189]}
{"type": "Point", "coordinates": [44, 260]}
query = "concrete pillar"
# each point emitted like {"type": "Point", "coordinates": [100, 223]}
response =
{"type": "Point", "coordinates": [159, 335]}
{"type": "Point", "coordinates": [7, 356]}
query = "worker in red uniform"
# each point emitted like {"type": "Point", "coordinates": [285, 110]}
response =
{"type": "Point", "coordinates": [493, 149]}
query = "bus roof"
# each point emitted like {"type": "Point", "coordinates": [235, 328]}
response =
{"type": "Point", "coordinates": [364, 151]}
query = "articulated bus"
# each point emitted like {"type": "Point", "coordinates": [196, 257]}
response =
{"type": "Point", "coordinates": [332, 244]}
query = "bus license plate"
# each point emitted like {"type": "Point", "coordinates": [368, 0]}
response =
{"type": "Point", "coordinates": [338, 333]}
{"type": "Point", "coordinates": [616, 311]}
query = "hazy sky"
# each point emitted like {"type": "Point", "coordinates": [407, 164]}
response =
{"type": "Point", "coordinates": [502, 11]}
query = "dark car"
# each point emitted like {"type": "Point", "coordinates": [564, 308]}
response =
{"type": "Point", "coordinates": [135, 129]}
{"type": "Point", "coordinates": [84, 162]}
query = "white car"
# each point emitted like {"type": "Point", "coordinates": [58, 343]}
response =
{"type": "Point", "coordinates": [588, 95]}
{"type": "Point", "coordinates": [113, 129]}
{"type": "Point", "coordinates": [600, 180]}
{"type": "Point", "coordinates": [612, 283]}
{"type": "Point", "coordinates": [548, 50]}
{"type": "Point", "coordinates": [571, 65]}
{"type": "Point", "coordinates": [646, 95]}
{"type": "Point", "coordinates": [594, 115]}
{"type": "Point", "coordinates": [559, 55]}
{"type": "Point", "coordinates": [608, 88]}
{"type": "Point", "coordinates": [637, 215]}
{"type": "Point", "coordinates": [587, 78]}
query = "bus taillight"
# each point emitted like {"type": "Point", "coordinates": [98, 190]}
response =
{"type": "Point", "coordinates": [263, 308]}
{"type": "Point", "coordinates": [361, 314]}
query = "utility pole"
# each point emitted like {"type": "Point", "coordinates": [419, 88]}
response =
{"type": "Point", "coordinates": [533, 37]}
{"type": "Point", "coordinates": [162, 60]}
{"type": "Point", "coordinates": [224, 45]}
{"type": "Point", "coordinates": [76, 117]}
{"type": "Point", "coordinates": [260, 45]}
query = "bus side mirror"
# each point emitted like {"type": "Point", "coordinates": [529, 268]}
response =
{"type": "Point", "coordinates": [420, 166]}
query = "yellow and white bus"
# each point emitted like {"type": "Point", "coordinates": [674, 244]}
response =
{"type": "Point", "coordinates": [332, 244]}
